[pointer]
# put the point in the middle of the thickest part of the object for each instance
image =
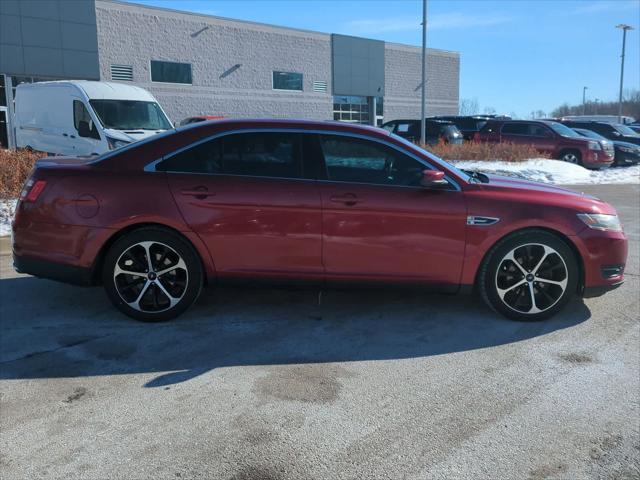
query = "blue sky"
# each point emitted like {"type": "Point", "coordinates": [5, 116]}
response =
{"type": "Point", "coordinates": [516, 55]}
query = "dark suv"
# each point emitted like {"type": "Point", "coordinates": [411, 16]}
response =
{"type": "Point", "coordinates": [468, 125]}
{"type": "Point", "coordinates": [612, 131]}
{"type": "Point", "coordinates": [552, 138]}
{"type": "Point", "coordinates": [435, 131]}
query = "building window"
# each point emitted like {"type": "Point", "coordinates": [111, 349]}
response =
{"type": "Point", "coordinates": [124, 73]}
{"type": "Point", "coordinates": [170, 72]}
{"type": "Point", "coordinates": [351, 109]}
{"type": "Point", "coordinates": [287, 81]}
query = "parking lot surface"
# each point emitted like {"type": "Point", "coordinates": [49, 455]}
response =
{"type": "Point", "coordinates": [267, 384]}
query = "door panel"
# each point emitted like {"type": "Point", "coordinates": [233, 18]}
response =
{"type": "Point", "coordinates": [253, 225]}
{"type": "Point", "coordinates": [386, 233]}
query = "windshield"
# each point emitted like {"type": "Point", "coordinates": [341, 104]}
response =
{"type": "Point", "coordinates": [623, 129]}
{"type": "Point", "coordinates": [130, 115]}
{"type": "Point", "coordinates": [563, 130]}
{"type": "Point", "coordinates": [590, 134]}
{"type": "Point", "coordinates": [444, 163]}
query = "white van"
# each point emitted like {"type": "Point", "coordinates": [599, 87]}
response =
{"type": "Point", "coordinates": [80, 117]}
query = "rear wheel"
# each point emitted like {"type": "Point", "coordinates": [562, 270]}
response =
{"type": "Point", "coordinates": [530, 275]}
{"type": "Point", "coordinates": [571, 156]}
{"type": "Point", "coordinates": [152, 274]}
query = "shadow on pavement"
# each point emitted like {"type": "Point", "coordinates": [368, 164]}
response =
{"type": "Point", "coordinates": [50, 330]}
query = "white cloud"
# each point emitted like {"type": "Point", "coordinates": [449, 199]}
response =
{"type": "Point", "coordinates": [435, 22]}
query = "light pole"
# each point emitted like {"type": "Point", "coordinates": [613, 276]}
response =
{"type": "Point", "coordinates": [624, 41]}
{"type": "Point", "coordinates": [423, 102]}
{"type": "Point", "coordinates": [584, 98]}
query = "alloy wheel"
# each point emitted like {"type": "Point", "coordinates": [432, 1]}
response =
{"type": "Point", "coordinates": [531, 278]}
{"type": "Point", "coordinates": [571, 158]}
{"type": "Point", "coordinates": [151, 277]}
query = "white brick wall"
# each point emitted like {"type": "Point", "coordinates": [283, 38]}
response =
{"type": "Point", "coordinates": [134, 35]}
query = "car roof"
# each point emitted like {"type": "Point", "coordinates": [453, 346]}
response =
{"type": "Point", "coordinates": [100, 90]}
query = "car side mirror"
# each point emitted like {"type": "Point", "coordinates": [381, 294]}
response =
{"type": "Point", "coordinates": [433, 178]}
{"type": "Point", "coordinates": [83, 129]}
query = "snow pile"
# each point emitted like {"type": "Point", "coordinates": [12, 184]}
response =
{"type": "Point", "coordinates": [553, 171]}
{"type": "Point", "coordinates": [7, 209]}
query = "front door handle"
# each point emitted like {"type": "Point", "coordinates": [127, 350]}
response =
{"type": "Point", "coordinates": [348, 199]}
{"type": "Point", "coordinates": [198, 192]}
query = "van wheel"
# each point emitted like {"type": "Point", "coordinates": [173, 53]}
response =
{"type": "Point", "coordinates": [152, 274]}
{"type": "Point", "coordinates": [530, 276]}
{"type": "Point", "coordinates": [571, 156]}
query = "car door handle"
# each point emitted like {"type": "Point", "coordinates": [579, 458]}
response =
{"type": "Point", "coordinates": [348, 199]}
{"type": "Point", "coordinates": [198, 192]}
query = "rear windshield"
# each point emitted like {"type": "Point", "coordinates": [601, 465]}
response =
{"type": "Point", "coordinates": [130, 115]}
{"type": "Point", "coordinates": [623, 129]}
{"type": "Point", "coordinates": [589, 133]}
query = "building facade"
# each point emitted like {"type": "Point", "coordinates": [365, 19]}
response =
{"type": "Point", "coordinates": [203, 65]}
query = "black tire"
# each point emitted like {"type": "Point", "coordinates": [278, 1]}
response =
{"type": "Point", "coordinates": [571, 156]}
{"type": "Point", "coordinates": [167, 295]}
{"type": "Point", "coordinates": [526, 246]}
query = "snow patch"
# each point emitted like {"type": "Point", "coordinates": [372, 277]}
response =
{"type": "Point", "coordinates": [553, 171]}
{"type": "Point", "coordinates": [7, 210]}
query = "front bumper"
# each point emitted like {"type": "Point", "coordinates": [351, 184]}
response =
{"type": "Point", "coordinates": [597, 159]}
{"type": "Point", "coordinates": [601, 252]}
{"type": "Point", "coordinates": [626, 158]}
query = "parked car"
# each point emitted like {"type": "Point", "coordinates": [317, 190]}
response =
{"type": "Point", "coordinates": [78, 117]}
{"type": "Point", "coordinates": [635, 127]}
{"type": "Point", "coordinates": [625, 153]}
{"type": "Point", "coordinates": [199, 118]}
{"type": "Point", "coordinates": [468, 125]}
{"type": "Point", "coordinates": [436, 131]}
{"type": "Point", "coordinates": [303, 201]}
{"type": "Point", "coordinates": [551, 138]}
{"type": "Point", "coordinates": [611, 131]}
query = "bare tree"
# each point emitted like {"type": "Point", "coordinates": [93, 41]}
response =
{"type": "Point", "coordinates": [489, 111]}
{"type": "Point", "coordinates": [469, 106]}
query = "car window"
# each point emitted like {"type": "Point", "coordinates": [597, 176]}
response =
{"type": "Point", "coordinates": [269, 154]}
{"type": "Point", "coordinates": [515, 129]}
{"type": "Point", "coordinates": [537, 130]}
{"type": "Point", "coordinates": [403, 128]}
{"type": "Point", "coordinates": [81, 114]}
{"type": "Point", "coordinates": [363, 161]}
{"type": "Point", "coordinates": [389, 126]}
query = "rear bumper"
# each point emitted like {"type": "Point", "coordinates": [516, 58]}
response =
{"type": "Point", "coordinates": [52, 271]}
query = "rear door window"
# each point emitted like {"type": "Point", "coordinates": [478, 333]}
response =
{"type": "Point", "coordinates": [515, 129]}
{"type": "Point", "coordinates": [81, 114]}
{"type": "Point", "coordinates": [268, 154]}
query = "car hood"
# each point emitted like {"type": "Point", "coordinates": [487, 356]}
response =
{"type": "Point", "coordinates": [516, 189]}
{"type": "Point", "coordinates": [619, 143]}
{"type": "Point", "coordinates": [132, 135]}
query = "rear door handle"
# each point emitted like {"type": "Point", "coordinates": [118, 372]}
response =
{"type": "Point", "coordinates": [348, 199]}
{"type": "Point", "coordinates": [198, 192]}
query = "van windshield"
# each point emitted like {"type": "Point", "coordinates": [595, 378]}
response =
{"type": "Point", "coordinates": [130, 115]}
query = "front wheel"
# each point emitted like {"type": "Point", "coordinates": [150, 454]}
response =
{"type": "Point", "coordinates": [530, 275]}
{"type": "Point", "coordinates": [571, 157]}
{"type": "Point", "coordinates": [152, 274]}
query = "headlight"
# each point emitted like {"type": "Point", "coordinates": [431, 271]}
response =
{"type": "Point", "coordinates": [595, 146]}
{"type": "Point", "coordinates": [599, 221]}
{"type": "Point", "coordinates": [115, 143]}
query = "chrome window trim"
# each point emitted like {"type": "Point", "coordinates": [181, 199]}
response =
{"type": "Point", "coordinates": [151, 167]}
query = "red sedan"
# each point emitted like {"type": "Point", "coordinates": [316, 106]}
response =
{"type": "Point", "coordinates": [298, 201]}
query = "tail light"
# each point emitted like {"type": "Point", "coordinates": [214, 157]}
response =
{"type": "Point", "coordinates": [32, 190]}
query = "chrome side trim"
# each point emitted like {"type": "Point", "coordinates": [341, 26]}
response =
{"type": "Point", "coordinates": [151, 167]}
{"type": "Point", "coordinates": [481, 221]}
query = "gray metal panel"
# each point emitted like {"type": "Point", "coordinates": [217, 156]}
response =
{"type": "Point", "coordinates": [39, 32]}
{"type": "Point", "coordinates": [80, 64]}
{"type": "Point", "coordinates": [76, 36]}
{"type": "Point", "coordinates": [79, 11]}
{"type": "Point", "coordinates": [43, 61]}
{"type": "Point", "coordinates": [40, 9]}
{"type": "Point", "coordinates": [358, 66]}
{"type": "Point", "coordinates": [9, 7]}
{"type": "Point", "coordinates": [9, 29]}
{"type": "Point", "coordinates": [11, 59]}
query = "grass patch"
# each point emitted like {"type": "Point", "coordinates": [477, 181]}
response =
{"type": "Point", "coordinates": [15, 167]}
{"type": "Point", "coordinates": [508, 152]}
